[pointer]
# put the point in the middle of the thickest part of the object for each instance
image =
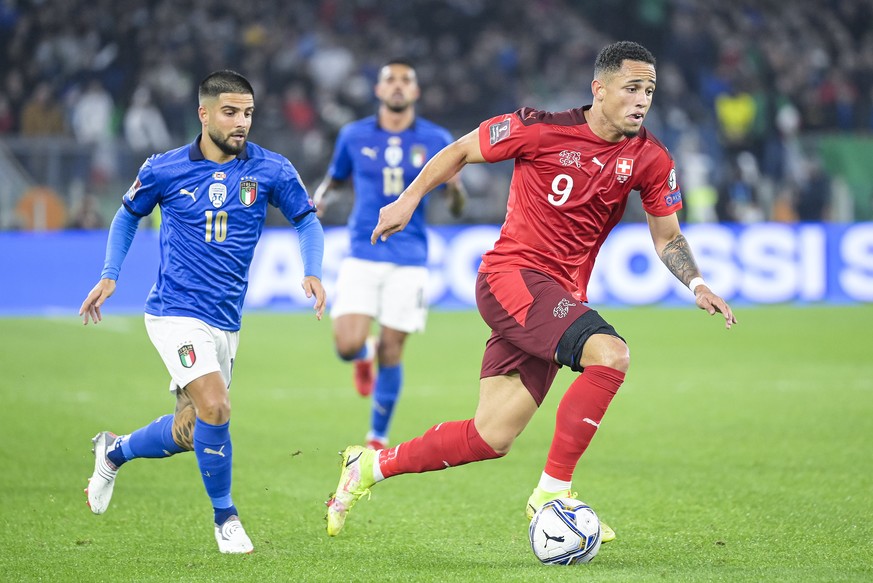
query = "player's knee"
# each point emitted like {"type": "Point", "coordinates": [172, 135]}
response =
{"type": "Point", "coordinates": [614, 353]}
{"type": "Point", "coordinates": [214, 411]}
{"type": "Point", "coordinates": [348, 350]}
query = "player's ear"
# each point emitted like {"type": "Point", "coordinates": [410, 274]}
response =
{"type": "Point", "coordinates": [202, 114]}
{"type": "Point", "coordinates": [597, 89]}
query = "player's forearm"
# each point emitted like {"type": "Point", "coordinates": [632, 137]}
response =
{"type": "Point", "coordinates": [324, 190]}
{"type": "Point", "coordinates": [311, 236]}
{"type": "Point", "coordinates": [677, 256]}
{"type": "Point", "coordinates": [121, 233]}
{"type": "Point", "coordinates": [445, 165]}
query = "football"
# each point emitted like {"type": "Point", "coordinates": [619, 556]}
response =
{"type": "Point", "coordinates": [565, 532]}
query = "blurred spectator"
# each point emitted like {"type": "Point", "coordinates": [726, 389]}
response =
{"type": "Point", "coordinates": [7, 116]}
{"type": "Point", "coordinates": [144, 126]}
{"type": "Point", "coordinates": [741, 77]}
{"type": "Point", "coordinates": [92, 113]}
{"type": "Point", "coordinates": [814, 194]}
{"type": "Point", "coordinates": [92, 119]}
{"type": "Point", "coordinates": [42, 114]}
{"type": "Point", "coordinates": [86, 214]}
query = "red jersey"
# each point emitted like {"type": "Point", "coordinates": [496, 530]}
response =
{"type": "Point", "coordinates": [569, 189]}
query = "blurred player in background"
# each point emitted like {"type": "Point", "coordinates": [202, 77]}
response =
{"type": "Point", "coordinates": [573, 173]}
{"type": "Point", "coordinates": [213, 194]}
{"type": "Point", "coordinates": [382, 154]}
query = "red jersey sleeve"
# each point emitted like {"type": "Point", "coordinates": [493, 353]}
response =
{"type": "Point", "coordinates": [659, 188]}
{"type": "Point", "coordinates": [504, 137]}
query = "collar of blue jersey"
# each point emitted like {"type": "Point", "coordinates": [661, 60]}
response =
{"type": "Point", "coordinates": [379, 125]}
{"type": "Point", "coordinates": [196, 154]}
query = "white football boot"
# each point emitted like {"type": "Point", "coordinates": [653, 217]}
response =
{"type": "Point", "coordinates": [232, 537]}
{"type": "Point", "coordinates": [102, 481]}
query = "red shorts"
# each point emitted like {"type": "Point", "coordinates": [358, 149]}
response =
{"type": "Point", "coordinates": [528, 313]}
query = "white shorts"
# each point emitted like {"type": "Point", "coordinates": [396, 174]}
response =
{"type": "Point", "coordinates": [191, 348]}
{"type": "Point", "coordinates": [394, 295]}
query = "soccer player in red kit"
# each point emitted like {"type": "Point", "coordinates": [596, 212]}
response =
{"type": "Point", "coordinates": [573, 173]}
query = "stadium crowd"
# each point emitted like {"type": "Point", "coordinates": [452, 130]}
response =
{"type": "Point", "coordinates": [739, 84]}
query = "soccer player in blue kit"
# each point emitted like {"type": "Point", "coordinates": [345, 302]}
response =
{"type": "Point", "coordinates": [213, 195]}
{"type": "Point", "coordinates": [382, 154]}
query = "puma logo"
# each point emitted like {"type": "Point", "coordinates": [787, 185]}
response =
{"type": "Point", "coordinates": [591, 422]}
{"type": "Point", "coordinates": [598, 162]}
{"type": "Point", "coordinates": [557, 539]}
{"type": "Point", "coordinates": [209, 450]}
{"type": "Point", "coordinates": [187, 192]}
{"type": "Point", "coordinates": [369, 152]}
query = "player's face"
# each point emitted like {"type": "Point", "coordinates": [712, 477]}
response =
{"type": "Point", "coordinates": [625, 97]}
{"type": "Point", "coordinates": [227, 121]}
{"type": "Point", "coordinates": [397, 87]}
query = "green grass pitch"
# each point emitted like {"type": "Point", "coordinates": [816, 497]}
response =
{"type": "Point", "coordinates": [742, 455]}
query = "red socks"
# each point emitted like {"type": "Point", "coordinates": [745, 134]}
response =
{"type": "Point", "coordinates": [579, 414]}
{"type": "Point", "coordinates": [453, 443]}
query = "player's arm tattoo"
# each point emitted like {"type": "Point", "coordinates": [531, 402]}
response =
{"type": "Point", "coordinates": [677, 256]}
{"type": "Point", "coordinates": [183, 420]}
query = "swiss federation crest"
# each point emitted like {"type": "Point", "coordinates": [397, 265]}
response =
{"type": "Point", "coordinates": [624, 167]}
{"type": "Point", "coordinates": [187, 356]}
{"type": "Point", "coordinates": [248, 192]}
{"type": "Point", "coordinates": [562, 309]}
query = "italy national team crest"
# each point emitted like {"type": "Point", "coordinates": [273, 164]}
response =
{"type": "Point", "coordinates": [248, 192]}
{"type": "Point", "coordinates": [187, 356]}
{"type": "Point", "coordinates": [417, 155]}
{"type": "Point", "coordinates": [624, 167]}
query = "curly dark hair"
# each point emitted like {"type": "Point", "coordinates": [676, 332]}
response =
{"type": "Point", "coordinates": [611, 56]}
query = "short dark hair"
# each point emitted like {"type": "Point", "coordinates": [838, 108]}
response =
{"type": "Point", "coordinates": [226, 81]}
{"type": "Point", "coordinates": [611, 56]}
{"type": "Point", "coordinates": [398, 61]}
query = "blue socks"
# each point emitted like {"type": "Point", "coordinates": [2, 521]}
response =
{"type": "Point", "coordinates": [385, 395]}
{"type": "Point", "coordinates": [155, 440]}
{"type": "Point", "coordinates": [214, 454]}
{"type": "Point", "coordinates": [212, 447]}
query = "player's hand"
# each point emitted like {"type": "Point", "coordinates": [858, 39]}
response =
{"type": "Point", "coordinates": [706, 300]}
{"type": "Point", "coordinates": [321, 208]}
{"type": "Point", "coordinates": [458, 202]}
{"type": "Point", "coordinates": [98, 294]}
{"type": "Point", "coordinates": [393, 218]}
{"type": "Point", "coordinates": [312, 286]}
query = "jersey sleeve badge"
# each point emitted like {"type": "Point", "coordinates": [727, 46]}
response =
{"type": "Point", "coordinates": [498, 131]}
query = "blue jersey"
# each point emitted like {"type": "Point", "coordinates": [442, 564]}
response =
{"type": "Point", "coordinates": [212, 216]}
{"type": "Point", "coordinates": [382, 164]}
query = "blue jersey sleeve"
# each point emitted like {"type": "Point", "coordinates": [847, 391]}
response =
{"type": "Point", "coordinates": [121, 233]}
{"type": "Point", "coordinates": [289, 194]}
{"type": "Point", "coordinates": [341, 164]}
{"type": "Point", "coordinates": [144, 194]}
{"type": "Point", "coordinates": [311, 236]}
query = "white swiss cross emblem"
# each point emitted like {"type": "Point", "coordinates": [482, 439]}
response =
{"type": "Point", "coordinates": [623, 168]}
